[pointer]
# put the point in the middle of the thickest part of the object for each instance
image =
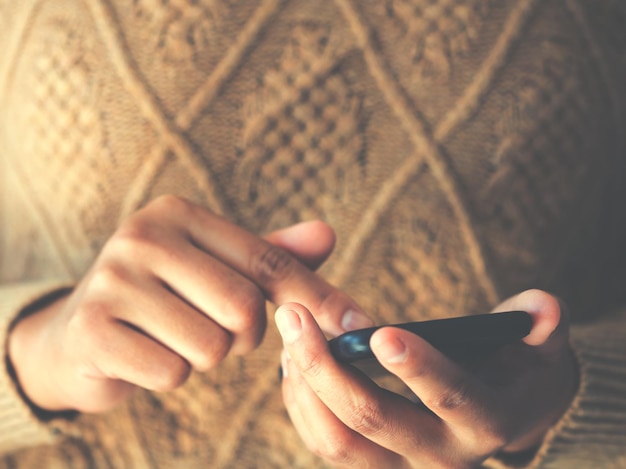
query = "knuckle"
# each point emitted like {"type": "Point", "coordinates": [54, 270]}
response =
{"type": "Point", "coordinates": [138, 236]}
{"type": "Point", "coordinates": [271, 265]}
{"type": "Point", "coordinates": [332, 448]}
{"type": "Point", "coordinates": [367, 418]}
{"type": "Point", "coordinates": [88, 328]}
{"type": "Point", "coordinates": [211, 354]}
{"type": "Point", "coordinates": [172, 376]}
{"type": "Point", "coordinates": [456, 396]}
{"type": "Point", "coordinates": [311, 364]}
{"type": "Point", "coordinates": [88, 318]}
{"type": "Point", "coordinates": [248, 306]}
{"type": "Point", "coordinates": [108, 277]}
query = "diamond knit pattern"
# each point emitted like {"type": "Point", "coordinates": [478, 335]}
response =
{"type": "Point", "coordinates": [459, 148]}
{"type": "Point", "coordinates": [302, 141]}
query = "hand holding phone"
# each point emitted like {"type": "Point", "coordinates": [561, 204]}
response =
{"type": "Point", "coordinates": [454, 336]}
{"type": "Point", "coordinates": [471, 407]}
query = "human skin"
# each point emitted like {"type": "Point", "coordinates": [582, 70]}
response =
{"type": "Point", "coordinates": [175, 288]}
{"type": "Point", "coordinates": [505, 404]}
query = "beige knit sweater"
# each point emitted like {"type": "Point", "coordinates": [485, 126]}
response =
{"type": "Point", "coordinates": [464, 150]}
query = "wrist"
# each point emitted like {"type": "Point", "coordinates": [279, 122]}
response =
{"type": "Point", "coordinates": [32, 360]}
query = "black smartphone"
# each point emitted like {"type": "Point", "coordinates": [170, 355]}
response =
{"type": "Point", "coordinates": [456, 337]}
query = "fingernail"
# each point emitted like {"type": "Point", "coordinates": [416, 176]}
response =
{"type": "Point", "coordinates": [353, 320]}
{"type": "Point", "coordinates": [392, 351]}
{"type": "Point", "coordinates": [289, 325]}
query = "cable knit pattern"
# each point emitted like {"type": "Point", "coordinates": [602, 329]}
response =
{"type": "Point", "coordinates": [462, 150]}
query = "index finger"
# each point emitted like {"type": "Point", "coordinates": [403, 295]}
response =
{"type": "Point", "coordinates": [387, 419]}
{"type": "Point", "coordinates": [278, 274]}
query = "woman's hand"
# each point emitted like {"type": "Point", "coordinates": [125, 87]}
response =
{"type": "Point", "coordinates": [504, 404]}
{"type": "Point", "coordinates": [175, 288]}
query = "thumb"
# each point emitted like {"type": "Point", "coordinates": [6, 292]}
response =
{"type": "Point", "coordinates": [310, 242]}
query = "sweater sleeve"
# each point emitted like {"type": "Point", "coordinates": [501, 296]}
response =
{"type": "Point", "coordinates": [19, 425]}
{"type": "Point", "coordinates": [592, 433]}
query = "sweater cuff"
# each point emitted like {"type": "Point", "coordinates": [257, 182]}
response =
{"type": "Point", "coordinates": [20, 427]}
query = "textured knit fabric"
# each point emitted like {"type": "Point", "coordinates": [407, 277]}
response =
{"type": "Point", "coordinates": [464, 150]}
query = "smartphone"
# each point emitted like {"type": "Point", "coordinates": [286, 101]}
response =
{"type": "Point", "coordinates": [455, 337]}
